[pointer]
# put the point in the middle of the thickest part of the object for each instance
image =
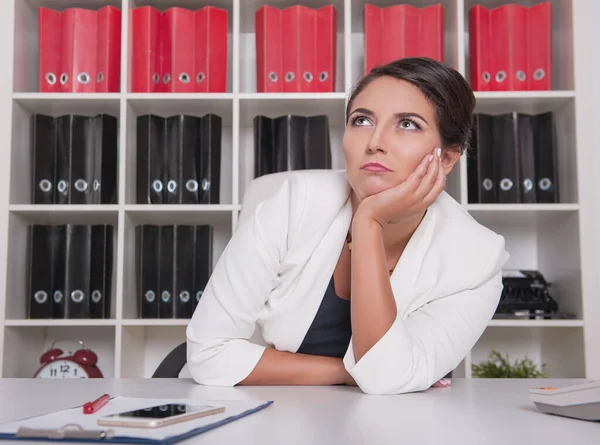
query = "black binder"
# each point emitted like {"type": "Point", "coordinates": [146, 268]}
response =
{"type": "Point", "coordinates": [166, 271]}
{"type": "Point", "coordinates": [59, 274]}
{"type": "Point", "coordinates": [203, 257]}
{"type": "Point", "coordinates": [185, 240]}
{"type": "Point", "coordinates": [104, 184]}
{"type": "Point", "coordinates": [150, 160]}
{"type": "Point", "coordinates": [481, 183]}
{"type": "Point", "coordinates": [317, 148]}
{"type": "Point", "coordinates": [506, 158]}
{"type": "Point", "coordinates": [43, 142]}
{"type": "Point", "coordinates": [184, 148]}
{"type": "Point", "coordinates": [291, 142]}
{"type": "Point", "coordinates": [81, 145]}
{"type": "Point", "coordinates": [101, 265]}
{"type": "Point", "coordinates": [147, 272]}
{"type": "Point", "coordinates": [546, 165]}
{"type": "Point", "coordinates": [526, 161]}
{"type": "Point", "coordinates": [77, 270]}
{"type": "Point", "coordinates": [63, 159]}
{"type": "Point", "coordinates": [209, 165]}
{"type": "Point", "coordinates": [41, 260]}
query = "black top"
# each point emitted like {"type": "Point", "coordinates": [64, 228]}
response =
{"type": "Point", "coordinates": [330, 332]}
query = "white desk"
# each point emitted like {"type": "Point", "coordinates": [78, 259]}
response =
{"type": "Point", "coordinates": [469, 412]}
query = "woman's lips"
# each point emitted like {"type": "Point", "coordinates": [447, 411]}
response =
{"type": "Point", "coordinates": [375, 167]}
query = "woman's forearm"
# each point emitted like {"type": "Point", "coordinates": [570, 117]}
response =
{"type": "Point", "coordinates": [286, 368]}
{"type": "Point", "coordinates": [373, 308]}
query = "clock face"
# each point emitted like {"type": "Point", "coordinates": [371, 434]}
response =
{"type": "Point", "coordinates": [62, 369]}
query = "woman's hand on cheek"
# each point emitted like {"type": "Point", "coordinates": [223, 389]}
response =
{"type": "Point", "coordinates": [409, 199]}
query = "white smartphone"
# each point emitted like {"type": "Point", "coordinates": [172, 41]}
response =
{"type": "Point", "coordinates": [160, 415]}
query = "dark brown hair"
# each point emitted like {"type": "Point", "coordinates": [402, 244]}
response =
{"type": "Point", "coordinates": [445, 88]}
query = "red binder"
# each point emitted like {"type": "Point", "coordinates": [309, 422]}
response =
{"type": "Point", "coordinates": [49, 40]}
{"type": "Point", "coordinates": [539, 47]}
{"type": "Point", "coordinates": [307, 49]}
{"type": "Point", "coordinates": [108, 76]}
{"type": "Point", "coordinates": [326, 49]}
{"type": "Point", "coordinates": [480, 44]}
{"type": "Point", "coordinates": [145, 58]}
{"type": "Point", "coordinates": [79, 35]}
{"type": "Point", "coordinates": [400, 31]}
{"type": "Point", "coordinates": [177, 38]}
{"type": "Point", "coordinates": [373, 23]}
{"type": "Point", "coordinates": [211, 51]}
{"type": "Point", "coordinates": [291, 50]}
{"type": "Point", "coordinates": [509, 23]}
{"type": "Point", "coordinates": [269, 44]}
{"type": "Point", "coordinates": [431, 32]}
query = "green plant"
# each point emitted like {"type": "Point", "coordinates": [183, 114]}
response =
{"type": "Point", "coordinates": [500, 367]}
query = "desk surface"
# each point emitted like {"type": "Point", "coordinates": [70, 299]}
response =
{"type": "Point", "coordinates": [469, 412]}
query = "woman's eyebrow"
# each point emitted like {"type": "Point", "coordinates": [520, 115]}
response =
{"type": "Point", "coordinates": [401, 115]}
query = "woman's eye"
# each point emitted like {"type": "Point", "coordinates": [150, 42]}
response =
{"type": "Point", "coordinates": [408, 125]}
{"type": "Point", "coordinates": [360, 121]}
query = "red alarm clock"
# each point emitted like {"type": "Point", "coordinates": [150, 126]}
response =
{"type": "Point", "coordinates": [57, 365]}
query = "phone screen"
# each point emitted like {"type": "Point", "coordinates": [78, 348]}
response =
{"type": "Point", "coordinates": [163, 411]}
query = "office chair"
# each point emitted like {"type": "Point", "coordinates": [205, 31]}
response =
{"type": "Point", "coordinates": [257, 191]}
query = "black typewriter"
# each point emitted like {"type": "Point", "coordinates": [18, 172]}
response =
{"type": "Point", "coordinates": [526, 294]}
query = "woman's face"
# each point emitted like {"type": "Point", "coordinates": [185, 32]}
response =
{"type": "Point", "coordinates": [391, 123]}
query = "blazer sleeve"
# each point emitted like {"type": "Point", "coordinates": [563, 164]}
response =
{"type": "Point", "coordinates": [422, 348]}
{"type": "Point", "coordinates": [219, 350]}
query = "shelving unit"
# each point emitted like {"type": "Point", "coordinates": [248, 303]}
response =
{"type": "Point", "coordinates": [554, 238]}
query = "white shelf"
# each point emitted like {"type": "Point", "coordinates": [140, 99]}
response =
{"type": "Point", "coordinates": [536, 323]}
{"type": "Point", "coordinates": [557, 239]}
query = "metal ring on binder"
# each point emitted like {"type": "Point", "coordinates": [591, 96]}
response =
{"type": "Point", "coordinates": [184, 78]}
{"type": "Point", "coordinates": [156, 78]}
{"type": "Point", "coordinates": [81, 185]}
{"type": "Point", "coordinates": [157, 186]}
{"type": "Point", "coordinates": [149, 296]}
{"type": "Point", "coordinates": [191, 185]}
{"type": "Point", "coordinates": [289, 76]}
{"type": "Point", "coordinates": [172, 186]}
{"type": "Point", "coordinates": [45, 185]}
{"type": "Point", "coordinates": [200, 77]}
{"type": "Point", "coordinates": [51, 78]}
{"type": "Point", "coordinates": [40, 297]}
{"type": "Point", "coordinates": [486, 76]}
{"type": "Point", "coordinates": [539, 74]}
{"type": "Point", "coordinates": [62, 186]}
{"type": "Point", "coordinates": [323, 76]}
{"type": "Point", "coordinates": [545, 184]}
{"type": "Point", "coordinates": [165, 296]}
{"type": "Point", "coordinates": [58, 296]}
{"type": "Point", "coordinates": [96, 296]}
{"type": "Point", "coordinates": [308, 76]}
{"type": "Point", "coordinates": [528, 184]}
{"type": "Point", "coordinates": [205, 185]}
{"type": "Point", "coordinates": [521, 75]}
{"type": "Point", "coordinates": [77, 296]}
{"type": "Point", "coordinates": [184, 296]}
{"type": "Point", "coordinates": [64, 78]}
{"type": "Point", "coordinates": [199, 295]}
{"type": "Point", "coordinates": [273, 76]}
{"type": "Point", "coordinates": [84, 78]}
{"type": "Point", "coordinates": [166, 78]}
{"type": "Point", "coordinates": [100, 77]}
{"type": "Point", "coordinates": [500, 76]}
{"type": "Point", "coordinates": [506, 184]}
{"type": "Point", "coordinates": [488, 184]}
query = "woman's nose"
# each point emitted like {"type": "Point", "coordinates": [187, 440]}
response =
{"type": "Point", "coordinates": [376, 142]}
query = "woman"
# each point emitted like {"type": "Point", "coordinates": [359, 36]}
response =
{"type": "Point", "coordinates": [373, 277]}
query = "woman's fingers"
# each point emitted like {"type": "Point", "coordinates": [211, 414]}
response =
{"type": "Point", "coordinates": [429, 179]}
{"type": "Point", "coordinates": [436, 189]}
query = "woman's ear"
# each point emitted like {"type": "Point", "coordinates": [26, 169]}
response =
{"type": "Point", "coordinates": [449, 158]}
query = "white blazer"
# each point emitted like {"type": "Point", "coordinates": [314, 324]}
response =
{"type": "Point", "coordinates": [276, 267]}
